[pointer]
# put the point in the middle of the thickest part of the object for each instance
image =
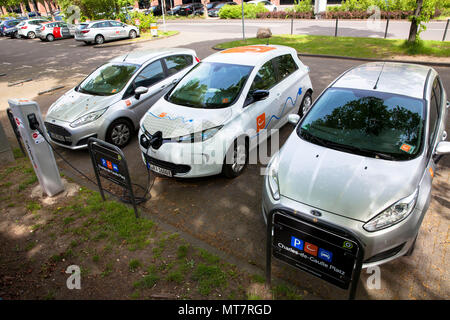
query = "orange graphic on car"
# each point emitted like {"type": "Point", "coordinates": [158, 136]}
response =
{"type": "Point", "coordinates": [248, 49]}
{"type": "Point", "coordinates": [261, 122]}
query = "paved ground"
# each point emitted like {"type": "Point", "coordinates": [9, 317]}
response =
{"type": "Point", "coordinates": [226, 213]}
{"type": "Point", "coordinates": [398, 29]}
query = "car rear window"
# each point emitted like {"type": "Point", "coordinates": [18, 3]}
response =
{"type": "Point", "coordinates": [83, 26]}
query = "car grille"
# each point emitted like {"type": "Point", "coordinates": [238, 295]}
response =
{"type": "Point", "coordinates": [175, 168]}
{"type": "Point", "coordinates": [59, 134]}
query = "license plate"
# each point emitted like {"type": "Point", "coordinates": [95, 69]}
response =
{"type": "Point", "coordinates": [160, 170]}
{"type": "Point", "coordinates": [57, 137]}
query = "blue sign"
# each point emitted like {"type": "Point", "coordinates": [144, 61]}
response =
{"type": "Point", "coordinates": [115, 167]}
{"type": "Point", "coordinates": [104, 162]}
{"type": "Point", "coordinates": [325, 255]}
{"type": "Point", "coordinates": [297, 243]}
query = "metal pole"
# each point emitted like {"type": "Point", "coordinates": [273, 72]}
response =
{"type": "Point", "coordinates": [163, 15]}
{"type": "Point", "coordinates": [336, 29]}
{"type": "Point", "coordinates": [445, 32]}
{"type": "Point", "coordinates": [387, 26]}
{"type": "Point", "coordinates": [243, 31]}
{"type": "Point", "coordinates": [269, 250]}
{"type": "Point", "coordinates": [292, 25]}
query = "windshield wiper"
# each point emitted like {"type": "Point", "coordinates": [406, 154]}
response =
{"type": "Point", "coordinates": [334, 145]}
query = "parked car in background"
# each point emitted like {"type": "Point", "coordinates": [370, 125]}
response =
{"type": "Point", "coordinates": [213, 118]}
{"type": "Point", "coordinates": [49, 31]}
{"type": "Point", "coordinates": [109, 103]}
{"type": "Point", "coordinates": [362, 160]}
{"type": "Point", "coordinates": [267, 4]}
{"type": "Point", "coordinates": [174, 11]}
{"type": "Point", "coordinates": [192, 8]}
{"type": "Point", "coordinates": [33, 14]}
{"type": "Point", "coordinates": [214, 12]}
{"type": "Point", "coordinates": [155, 10]}
{"type": "Point", "coordinates": [8, 26]}
{"type": "Point", "coordinates": [27, 28]}
{"type": "Point", "coordinates": [104, 30]}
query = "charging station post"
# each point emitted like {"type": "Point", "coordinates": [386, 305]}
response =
{"type": "Point", "coordinates": [30, 125]}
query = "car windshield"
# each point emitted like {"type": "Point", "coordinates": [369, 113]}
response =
{"type": "Point", "coordinates": [83, 26]}
{"type": "Point", "coordinates": [369, 123]}
{"type": "Point", "coordinates": [109, 79]}
{"type": "Point", "coordinates": [210, 85]}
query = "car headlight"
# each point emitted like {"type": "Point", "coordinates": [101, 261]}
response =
{"type": "Point", "coordinates": [92, 116]}
{"type": "Point", "coordinates": [272, 176]}
{"type": "Point", "coordinates": [199, 136]}
{"type": "Point", "coordinates": [394, 214]}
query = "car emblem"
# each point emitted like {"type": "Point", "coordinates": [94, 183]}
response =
{"type": "Point", "coordinates": [316, 213]}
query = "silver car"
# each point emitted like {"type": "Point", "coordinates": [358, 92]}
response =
{"type": "Point", "coordinates": [27, 28]}
{"type": "Point", "coordinates": [363, 157]}
{"type": "Point", "coordinates": [104, 30]}
{"type": "Point", "coordinates": [49, 31]}
{"type": "Point", "coordinates": [109, 103]}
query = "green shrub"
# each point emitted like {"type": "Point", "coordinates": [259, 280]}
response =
{"type": "Point", "coordinates": [303, 6]}
{"type": "Point", "coordinates": [144, 20]}
{"type": "Point", "coordinates": [235, 12]}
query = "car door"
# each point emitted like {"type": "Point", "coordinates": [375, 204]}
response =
{"type": "Point", "coordinates": [118, 29]}
{"type": "Point", "coordinates": [154, 77]}
{"type": "Point", "coordinates": [106, 29]}
{"type": "Point", "coordinates": [261, 115]}
{"type": "Point", "coordinates": [57, 30]}
{"type": "Point", "coordinates": [292, 87]}
{"type": "Point", "coordinates": [65, 32]}
{"type": "Point", "coordinates": [176, 67]}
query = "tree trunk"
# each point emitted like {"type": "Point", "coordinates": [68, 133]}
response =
{"type": "Point", "coordinates": [205, 13]}
{"type": "Point", "coordinates": [414, 25]}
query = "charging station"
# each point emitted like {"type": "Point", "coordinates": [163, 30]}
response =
{"type": "Point", "coordinates": [28, 119]}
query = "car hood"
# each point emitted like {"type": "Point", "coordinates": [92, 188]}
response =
{"type": "Point", "coordinates": [73, 105]}
{"type": "Point", "coordinates": [342, 183]}
{"type": "Point", "coordinates": [175, 120]}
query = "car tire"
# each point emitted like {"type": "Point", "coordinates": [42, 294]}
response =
{"type": "Point", "coordinates": [237, 150]}
{"type": "Point", "coordinates": [16, 35]}
{"type": "Point", "coordinates": [132, 34]}
{"type": "Point", "coordinates": [50, 37]}
{"type": "Point", "coordinates": [306, 104]}
{"type": "Point", "coordinates": [99, 39]}
{"type": "Point", "coordinates": [119, 132]}
{"type": "Point", "coordinates": [31, 35]}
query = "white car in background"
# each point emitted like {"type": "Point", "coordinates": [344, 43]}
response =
{"type": "Point", "coordinates": [104, 30]}
{"type": "Point", "coordinates": [267, 4]}
{"type": "Point", "coordinates": [222, 109]}
{"type": "Point", "coordinates": [27, 28]}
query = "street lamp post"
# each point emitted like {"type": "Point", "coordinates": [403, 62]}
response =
{"type": "Point", "coordinates": [243, 31]}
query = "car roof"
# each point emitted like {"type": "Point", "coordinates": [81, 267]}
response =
{"type": "Point", "coordinates": [393, 77]}
{"type": "Point", "coordinates": [249, 55]}
{"type": "Point", "coordinates": [142, 56]}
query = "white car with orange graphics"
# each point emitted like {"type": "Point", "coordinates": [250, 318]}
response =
{"type": "Point", "coordinates": [222, 109]}
{"type": "Point", "coordinates": [49, 31]}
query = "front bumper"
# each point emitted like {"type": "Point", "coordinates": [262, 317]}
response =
{"type": "Point", "coordinates": [62, 134]}
{"type": "Point", "coordinates": [186, 160]}
{"type": "Point", "coordinates": [379, 247]}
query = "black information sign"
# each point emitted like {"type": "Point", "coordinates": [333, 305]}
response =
{"type": "Point", "coordinates": [326, 252]}
{"type": "Point", "coordinates": [15, 129]}
{"type": "Point", "coordinates": [109, 163]}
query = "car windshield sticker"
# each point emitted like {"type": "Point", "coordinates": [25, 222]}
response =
{"type": "Point", "coordinates": [407, 148]}
{"type": "Point", "coordinates": [113, 90]}
{"type": "Point", "coordinates": [225, 100]}
{"type": "Point", "coordinates": [249, 49]}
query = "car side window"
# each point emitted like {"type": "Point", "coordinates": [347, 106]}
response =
{"type": "Point", "coordinates": [177, 63]}
{"type": "Point", "coordinates": [265, 78]}
{"type": "Point", "coordinates": [435, 102]}
{"type": "Point", "coordinates": [150, 75]}
{"type": "Point", "coordinates": [286, 66]}
{"type": "Point", "coordinates": [116, 23]}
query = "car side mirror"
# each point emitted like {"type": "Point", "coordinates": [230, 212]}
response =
{"type": "Point", "coordinates": [442, 148]}
{"type": "Point", "coordinates": [293, 119]}
{"type": "Point", "coordinates": [139, 91]}
{"type": "Point", "coordinates": [260, 95]}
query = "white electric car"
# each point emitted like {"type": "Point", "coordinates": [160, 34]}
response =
{"type": "Point", "coordinates": [231, 101]}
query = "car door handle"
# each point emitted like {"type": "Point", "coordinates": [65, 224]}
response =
{"type": "Point", "coordinates": [174, 81]}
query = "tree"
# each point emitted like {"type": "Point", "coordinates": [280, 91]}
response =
{"type": "Point", "coordinates": [423, 12]}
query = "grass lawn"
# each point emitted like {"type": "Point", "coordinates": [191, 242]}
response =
{"type": "Point", "coordinates": [350, 46]}
{"type": "Point", "coordinates": [120, 257]}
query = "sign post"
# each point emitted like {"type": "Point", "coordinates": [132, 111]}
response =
{"type": "Point", "coordinates": [325, 251]}
{"type": "Point", "coordinates": [109, 162]}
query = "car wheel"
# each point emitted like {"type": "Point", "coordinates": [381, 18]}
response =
{"type": "Point", "coordinates": [238, 156]}
{"type": "Point", "coordinates": [31, 35]}
{"type": "Point", "coordinates": [99, 39]}
{"type": "Point", "coordinates": [132, 34]}
{"type": "Point", "coordinates": [306, 104]}
{"type": "Point", "coordinates": [50, 37]}
{"type": "Point", "coordinates": [119, 132]}
{"type": "Point", "coordinates": [16, 35]}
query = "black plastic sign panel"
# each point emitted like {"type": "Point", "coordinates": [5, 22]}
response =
{"type": "Point", "coordinates": [110, 163]}
{"type": "Point", "coordinates": [335, 257]}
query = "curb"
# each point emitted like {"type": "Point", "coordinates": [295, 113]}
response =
{"type": "Point", "coordinates": [430, 63]}
{"type": "Point", "coordinates": [99, 46]}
